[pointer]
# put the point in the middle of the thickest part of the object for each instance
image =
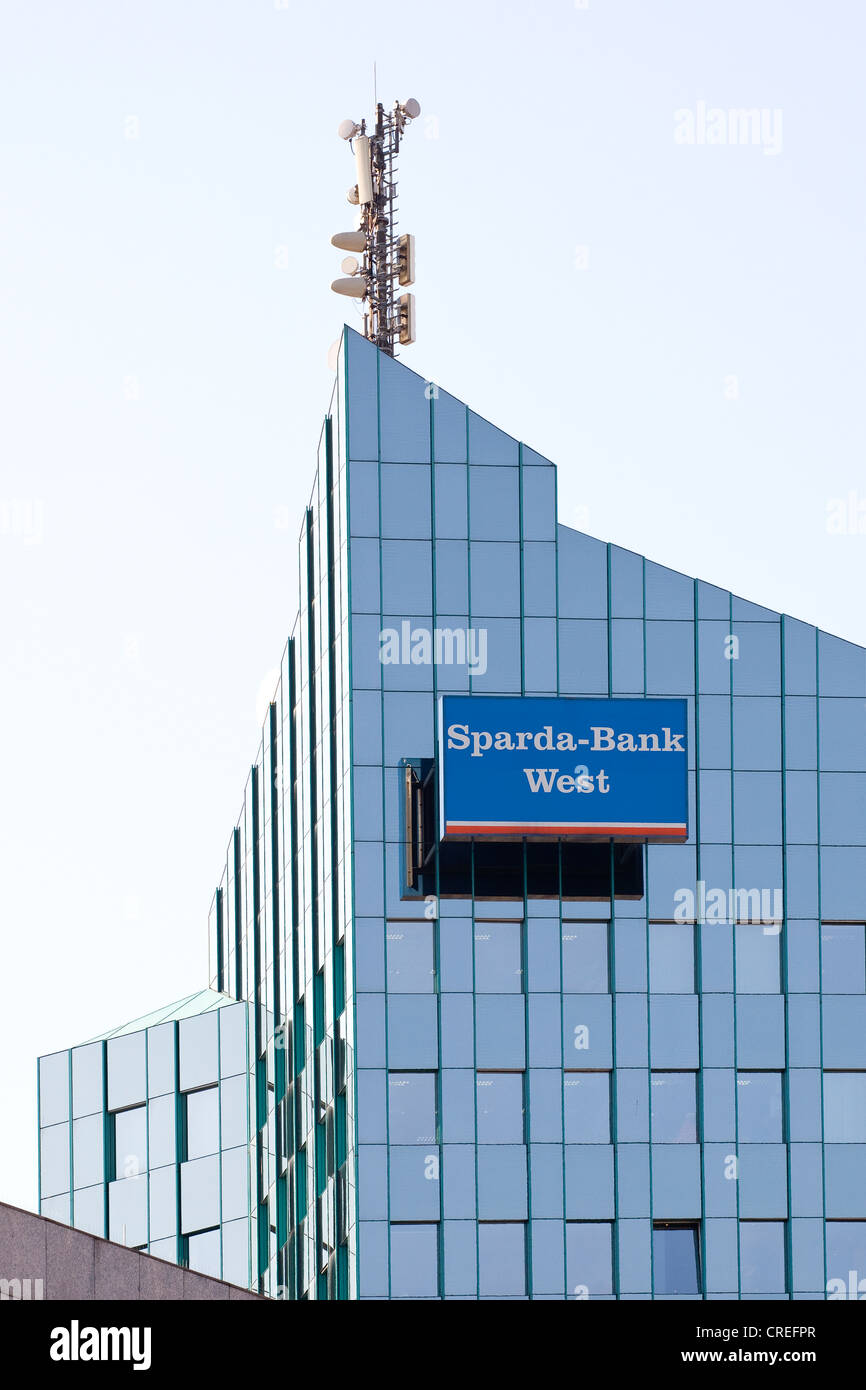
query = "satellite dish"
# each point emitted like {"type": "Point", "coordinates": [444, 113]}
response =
{"type": "Point", "coordinates": [412, 108]}
{"type": "Point", "coordinates": [349, 241]}
{"type": "Point", "coordinates": [333, 360]}
{"type": "Point", "coordinates": [350, 266]}
{"type": "Point", "coordinates": [352, 195]}
{"type": "Point", "coordinates": [355, 287]}
{"type": "Point", "coordinates": [346, 129]}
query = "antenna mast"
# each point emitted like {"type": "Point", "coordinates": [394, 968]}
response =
{"type": "Point", "coordinates": [388, 260]}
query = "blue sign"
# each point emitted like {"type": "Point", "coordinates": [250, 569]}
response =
{"type": "Point", "coordinates": [514, 766]}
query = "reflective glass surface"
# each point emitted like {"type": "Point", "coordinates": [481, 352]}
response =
{"type": "Point", "coordinates": [589, 1258]}
{"type": "Point", "coordinates": [676, 1259]}
{"type": "Point", "coordinates": [500, 1107]}
{"type": "Point", "coordinates": [127, 1211]}
{"type": "Point", "coordinates": [127, 1071]}
{"type": "Point", "coordinates": [54, 1160]}
{"type": "Point", "coordinates": [415, 1260]}
{"type": "Point", "coordinates": [498, 957]}
{"type": "Point", "coordinates": [674, 1107]}
{"type": "Point", "coordinates": [502, 1259]}
{"type": "Point", "coordinates": [845, 1107]}
{"type": "Point", "coordinates": [587, 1107]}
{"type": "Point", "coordinates": [762, 1256]}
{"type": "Point", "coordinates": [410, 948]}
{"type": "Point", "coordinates": [204, 1253]}
{"type": "Point", "coordinates": [412, 1107]}
{"type": "Point", "coordinates": [202, 1122]}
{"type": "Point", "coordinates": [54, 1088]}
{"type": "Point", "coordinates": [88, 1150]}
{"type": "Point", "coordinates": [585, 957]}
{"type": "Point", "coordinates": [130, 1142]}
{"type": "Point", "coordinates": [759, 1107]}
{"type": "Point", "coordinates": [87, 1079]}
{"type": "Point", "coordinates": [843, 958]}
{"type": "Point", "coordinates": [672, 958]}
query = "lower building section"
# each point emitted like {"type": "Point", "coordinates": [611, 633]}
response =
{"type": "Point", "coordinates": [42, 1259]}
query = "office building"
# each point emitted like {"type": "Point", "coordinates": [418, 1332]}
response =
{"type": "Point", "coordinates": [501, 1065]}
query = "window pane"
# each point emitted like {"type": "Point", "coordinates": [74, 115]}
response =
{"type": "Point", "coordinates": [411, 962]}
{"type": "Point", "coordinates": [500, 1107]}
{"type": "Point", "coordinates": [233, 1101]}
{"type": "Point", "coordinates": [233, 1039]}
{"type": "Point", "coordinates": [88, 1154]}
{"type": "Point", "coordinates": [845, 1107]}
{"type": "Point", "coordinates": [672, 958]}
{"type": "Point", "coordinates": [587, 1107]}
{"type": "Point", "coordinates": [160, 1059]}
{"type": "Point", "coordinates": [126, 1071]}
{"type": "Point", "coordinates": [198, 1051]}
{"type": "Point", "coordinates": [202, 1122]}
{"type": "Point", "coordinates": [200, 1193]}
{"type": "Point", "coordinates": [87, 1079]}
{"type": "Point", "coordinates": [757, 959]}
{"type": "Point", "coordinates": [127, 1211]}
{"type": "Point", "coordinates": [762, 1256]}
{"type": "Point", "coordinates": [843, 959]}
{"type": "Point", "coordinates": [584, 957]}
{"type": "Point", "coordinates": [498, 957]}
{"type": "Point", "coordinates": [54, 1160]}
{"type": "Point", "coordinates": [161, 1128]}
{"type": "Point", "coordinates": [204, 1253]}
{"type": "Point", "coordinates": [415, 1261]}
{"type": "Point", "coordinates": [412, 1107]}
{"type": "Point", "coordinates": [54, 1088]}
{"type": "Point", "coordinates": [674, 1107]}
{"type": "Point", "coordinates": [588, 1257]}
{"type": "Point", "coordinates": [676, 1259]}
{"type": "Point", "coordinates": [759, 1107]}
{"type": "Point", "coordinates": [501, 1259]}
{"type": "Point", "coordinates": [846, 1250]}
{"type": "Point", "coordinates": [89, 1209]}
{"type": "Point", "coordinates": [130, 1142]}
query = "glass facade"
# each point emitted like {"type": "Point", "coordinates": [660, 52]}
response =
{"type": "Point", "coordinates": [145, 1136]}
{"type": "Point", "coordinates": [525, 1070]}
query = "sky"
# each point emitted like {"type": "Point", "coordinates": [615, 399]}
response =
{"type": "Point", "coordinates": [665, 300]}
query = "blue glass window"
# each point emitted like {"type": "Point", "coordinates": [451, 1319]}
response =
{"type": "Point", "coordinates": [759, 1107]}
{"type": "Point", "coordinates": [585, 957]}
{"type": "Point", "coordinates": [589, 1258]}
{"type": "Point", "coordinates": [676, 1258]}
{"type": "Point", "coordinates": [202, 1122]}
{"type": "Point", "coordinates": [412, 1107]}
{"type": "Point", "coordinates": [846, 1250]}
{"type": "Point", "coordinates": [672, 958]}
{"type": "Point", "coordinates": [411, 957]}
{"type": "Point", "coordinates": [758, 958]}
{"type": "Point", "coordinates": [500, 1107]}
{"type": "Point", "coordinates": [762, 1257]}
{"type": "Point", "coordinates": [415, 1260]}
{"type": "Point", "coordinates": [843, 958]}
{"type": "Point", "coordinates": [130, 1142]}
{"type": "Point", "coordinates": [498, 957]}
{"type": "Point", "coordinates": [587, 1107]}
{"type": "Point", "coordinates": [502, 1259]}
{"type": "Point", "coordinates": [674, 1107]}
{"type": "Point", "coordinates": [845, 1108]}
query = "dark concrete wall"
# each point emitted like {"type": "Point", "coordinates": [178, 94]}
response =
{"type": "Point", "coordinates": [75, 1265]}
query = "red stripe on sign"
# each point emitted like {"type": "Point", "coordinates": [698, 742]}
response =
{"type": "Point", "coordinates": [564, 828]}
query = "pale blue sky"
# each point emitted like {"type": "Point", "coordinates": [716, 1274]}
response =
{"type": "Point", "coordinates": [163, 381]}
